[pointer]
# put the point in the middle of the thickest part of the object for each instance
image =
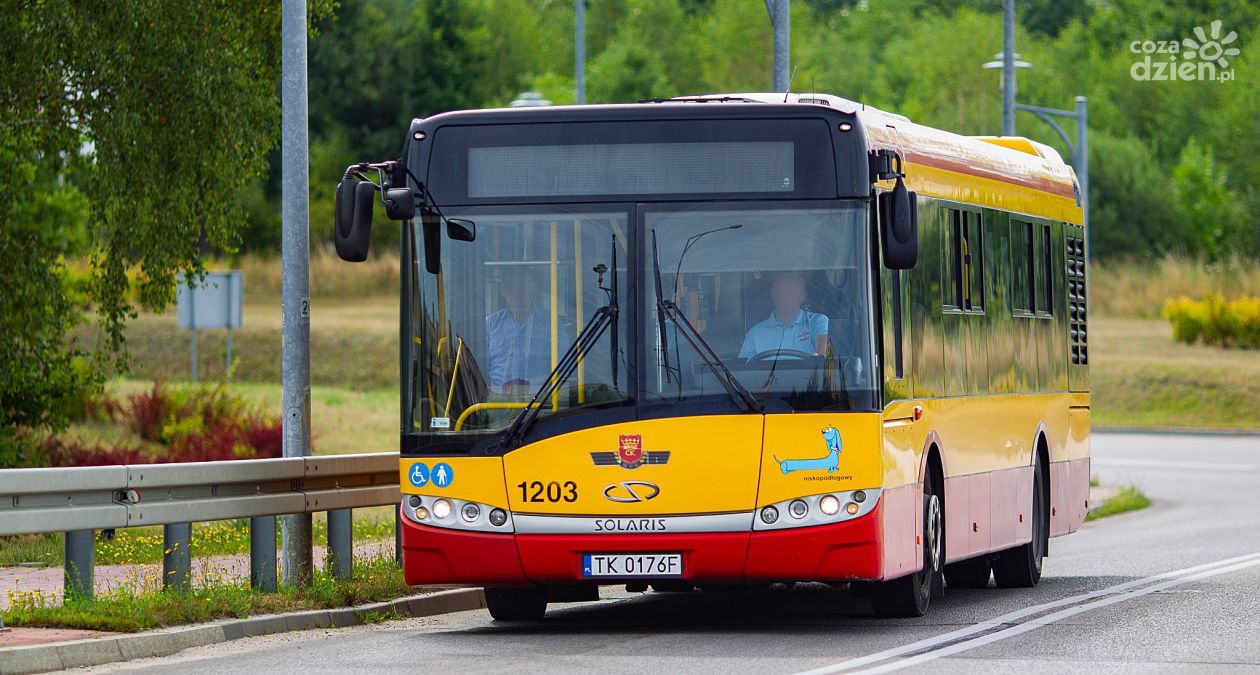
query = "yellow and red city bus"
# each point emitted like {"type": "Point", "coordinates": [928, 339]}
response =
{"type": "Point", "coordinates": [728, 340]}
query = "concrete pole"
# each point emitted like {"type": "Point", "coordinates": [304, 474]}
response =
{"type": "Point", "coordinates": [295, 279]}
{"type": "Point", "coordinates": [579, 41]}
{"type": "Point", "coordinates": [780, 18]}
{"type": "Point", "coordinates": [1008, 67]}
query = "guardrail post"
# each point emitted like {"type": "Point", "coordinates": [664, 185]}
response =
{"type": "Point", "coordinates": [176, 556]}
{"type": "Point", "coordinates": [262, 553]}
{"type": "Point", "coordinates": [340, 547]}
{"type": "Point", "coordinates": [398, 533]}
{"type": "Point", "coordinates": [80, 551]}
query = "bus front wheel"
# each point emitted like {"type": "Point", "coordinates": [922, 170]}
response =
{"type": "Point", "coordinates": [516, 604]}
{"type": "Point", "coordinates": [910, 595]}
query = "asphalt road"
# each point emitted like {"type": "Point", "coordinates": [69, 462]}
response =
{"type": "Point", "coordinates": [1175, 587]}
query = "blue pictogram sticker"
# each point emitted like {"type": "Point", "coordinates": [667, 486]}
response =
{"type": "Point", "coordinates": [443, 475]}
{"type": "Point", "coordinates": [419, 474]}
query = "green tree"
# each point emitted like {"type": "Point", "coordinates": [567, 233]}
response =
{"type": "Point", "coordinates": [171, 108]}
{"type": "Point", "coordinates": [1211, 221]}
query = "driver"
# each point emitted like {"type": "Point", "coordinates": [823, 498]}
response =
{"type": "Point", "coordinates": [790, 326]}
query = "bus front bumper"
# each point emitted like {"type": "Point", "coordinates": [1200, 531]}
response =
{"type": "Point", "coordinates": [843, 551]}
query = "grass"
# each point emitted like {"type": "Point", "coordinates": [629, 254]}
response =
{"type": "Point", "coordinates": [1141, 378]}
{"type": "Point", "coordinates": [141, 545]}
{"type": "Point", "coordinates": [1129, 498]}
{"type": "Point", "coordinates": [1138, 289]}
{"type": "Point", "coordinates": [128, 610]}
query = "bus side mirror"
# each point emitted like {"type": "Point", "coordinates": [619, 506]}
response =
{"type": "Point", "coordinates": [899, 227]}
{"type": "Point", "coordinates": [352, 231]}
{"type": "Point", "coordinates": [460, 229]}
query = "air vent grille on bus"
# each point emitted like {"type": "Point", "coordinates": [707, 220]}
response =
{"type": "Point", "coordinates": [1076, 299]}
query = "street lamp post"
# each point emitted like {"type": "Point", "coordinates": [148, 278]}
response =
{"type": "Point", "coordinates": [781, 19]}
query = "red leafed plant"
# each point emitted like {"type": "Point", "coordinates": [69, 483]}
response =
{"type": "Point", "coordinates": [195, 425]}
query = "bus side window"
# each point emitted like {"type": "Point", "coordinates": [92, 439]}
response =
{"type": "Point", "coordinates": [1046, 303]}
{"type": "Point", "coordinates": [975, 263]}
{"type": "Point", "coordinates": [1022, 278]}
{"type": "Point", "coordinates": [952, 249]}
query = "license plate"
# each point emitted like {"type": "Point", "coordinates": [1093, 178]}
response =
{"type": "Point", "coordinates": [626, 565]}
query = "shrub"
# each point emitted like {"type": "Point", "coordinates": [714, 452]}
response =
{"type": "Point", "coordinates": [1215, 320]}
{"type": "Point", "coordinates": [168, 425]}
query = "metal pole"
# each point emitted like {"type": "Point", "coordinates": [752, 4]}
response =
{"type": "Point", "coordinates": [340, 550]}
{"type": "Point", "coordinates": [780, 18]}
{"type": "Point", "coordinates": [262, 553]}
{"type": "Point", "coordinates": [194, 355]}
{"type": "Point", "coordinates": [1008, 68]}
{"type": "Point", "coordinates": [1081, 161]}
{"type": "Point", "coordinates": [398, 544]}
{"type": "Point", "coordinates": [1082, 174]}
{"type": "Point", "coordinates": [295, 280]}
{"type": "Point", "coordinates": [579, 40]}
{"type": "Point", "coordinates": [176, 556]}
{"type": "Point", "coordinates": [80, 551]}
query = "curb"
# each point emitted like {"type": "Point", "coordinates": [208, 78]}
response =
{"type": "Point", "coordinates": [1177, 431]}
{"type": "Point", "coordinates": [168, 641]}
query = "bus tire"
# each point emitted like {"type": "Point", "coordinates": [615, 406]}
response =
{"type": "Point", "coordinates": [1020, 567]}
{"type": "Point", "coordinates": [516, 604]}
{"type": "Point", "coordinates": [909, 596]}
{"type": "Point", "coordinates": [972, 573]}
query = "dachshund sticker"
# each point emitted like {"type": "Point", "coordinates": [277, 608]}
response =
{"type": "Point", "coordinates": [829, 462]}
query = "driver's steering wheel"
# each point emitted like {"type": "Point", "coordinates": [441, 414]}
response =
{"type": "Point", "coordinates": [776, 353]}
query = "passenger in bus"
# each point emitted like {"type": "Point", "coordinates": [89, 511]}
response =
{"type": "Point", "coordinates": [519, 337]}
{"type": "Point", "coordinates": [790, 326]}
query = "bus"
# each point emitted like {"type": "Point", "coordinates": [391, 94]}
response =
{"type": "Point", "coordinates": [729, 341]}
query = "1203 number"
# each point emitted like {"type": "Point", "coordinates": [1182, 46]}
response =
{"type": "Point", "coordinates": [537, 491]}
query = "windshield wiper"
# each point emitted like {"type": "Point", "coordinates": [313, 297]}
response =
{"type": "Point", "coordinates": [586, 340]}
{"type": "Point", "coordinates": [669, 309]}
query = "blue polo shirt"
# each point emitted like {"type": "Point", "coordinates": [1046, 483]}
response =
{"type": "Point", "coordinates": [800, 335]}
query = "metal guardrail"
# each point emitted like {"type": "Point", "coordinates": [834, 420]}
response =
{"type": "Point", "coordinates": [80, 500]}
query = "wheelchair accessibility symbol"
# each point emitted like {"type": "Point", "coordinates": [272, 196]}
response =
{"type": "Point", "coordinates": [419, 475]}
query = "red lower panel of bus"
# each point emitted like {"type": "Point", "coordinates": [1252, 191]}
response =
{"type": "Point", "coordinates": [839, 552]}
{"type": "Point", "coordinates": [848, 550]}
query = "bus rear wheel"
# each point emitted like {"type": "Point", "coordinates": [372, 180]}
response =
{"type": "Point", "coordinates": [972, 573]}
{"type": "Point", "coordinates": [1020, 567]}
{"type": "Point", "coordinates": [909, 596]}
{"type": "Point", "coordinates": [516, 604]}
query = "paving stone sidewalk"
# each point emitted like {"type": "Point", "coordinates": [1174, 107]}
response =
{"type": "Point", "coordinates": [48, 581]}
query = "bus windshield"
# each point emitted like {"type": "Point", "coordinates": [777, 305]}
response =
{"type": "Point", "coordinates": [489, 330]}
{"type": "Point", "coordinates": [768, 300]}
{"type": "Point", "coordinates": [780, 295]}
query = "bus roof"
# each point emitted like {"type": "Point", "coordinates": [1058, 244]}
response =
{"type": "Point", "coordinates": [1011, 173]}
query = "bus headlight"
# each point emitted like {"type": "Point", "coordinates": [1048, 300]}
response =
{"type": "Point", "coordinates": [852, 508]}
{"type": "Point", "coordinates": [769, 515]}
{"type": "Point", "coordinates": [456, 514]}
{"type": "Point", "coordinates": [798, 509]}
{"type": "Point", "coordinates": [829, 505]}
{"type": "Point", "coordinates": [813, 510]}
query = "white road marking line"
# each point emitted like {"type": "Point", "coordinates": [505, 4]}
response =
{"type": "Point", "coordinates": [1175, 464]}
{"type": "Point", "coordinates": [980, 627]}
{"type": "Point", "coordinates": [1033, 624]}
